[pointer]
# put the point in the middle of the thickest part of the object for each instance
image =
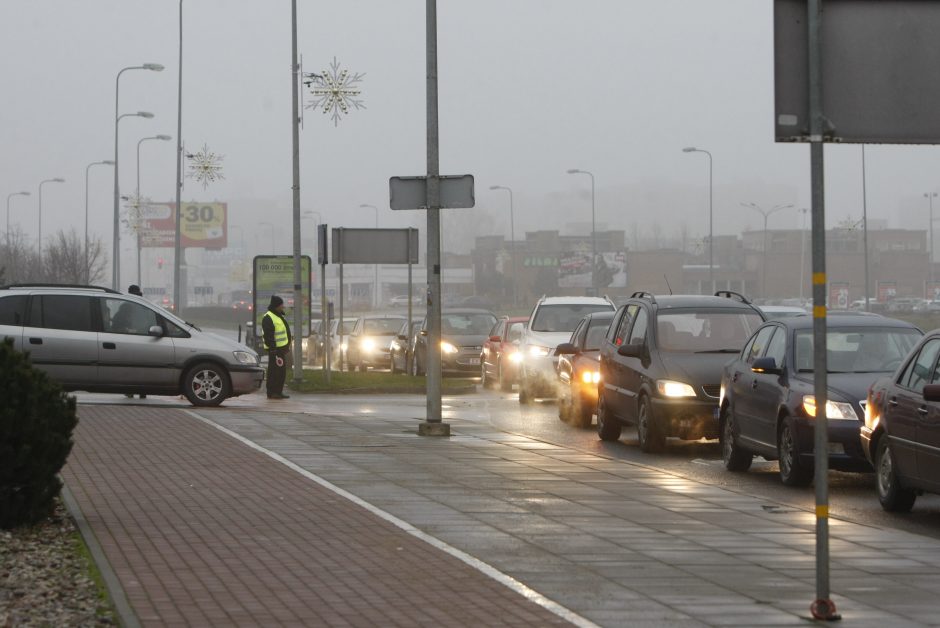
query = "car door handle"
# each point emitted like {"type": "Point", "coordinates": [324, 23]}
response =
{"type": "Point", "coordinates": [109, 345]}
{"type": "Point", "coordinates": [922, 410]}
{"type": "Point", "coordinates": [734, 378]}
{"type": "Point", "coordinates": [892, 402]}
{"type": "Point", "coordinates": [35, 341]}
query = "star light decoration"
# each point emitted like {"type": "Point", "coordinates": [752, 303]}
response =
{"type": "Point", "coordinates": [205, 166]}
{"type": "Point", "coordinates": [135, 210]}
{"type": "Point", "coordinates": [334, 91]}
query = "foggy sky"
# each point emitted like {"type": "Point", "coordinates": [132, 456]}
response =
{"type": "Point", "coordinates": [528, 89]}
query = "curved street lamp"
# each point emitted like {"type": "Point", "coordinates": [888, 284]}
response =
{"type": "Point", "coordinates": [116, 262]}
{"type": "Point", "coordinates": [711, 241]}
{"type": "Point", "coordinates": [9, 196]}
{"type": "Point", "coordinates": [39, 240]}
{"type": "Point", "coordinates": [593, 231]}
{"type": "Point", "coordinates": [161, 137]}
{"type": "Point", "coordinates": [763, 265]}
{"type": "Point", "coordinates": [512, 238]}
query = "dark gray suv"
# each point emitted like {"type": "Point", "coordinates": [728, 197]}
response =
{"type": "Point", "coordinates": [99, 340]}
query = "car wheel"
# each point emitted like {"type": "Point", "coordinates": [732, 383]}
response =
{"type": "Point", "coordinates": [525, 395]}
{"type": "Point", "coordinates": [484, 380]}
{"type": "Point", "coordinates": [505, 384]}
{"type": "Point", "coordinates": [582, 411]}
{"type": "Point", "coordinates": [893, 496]}
{"type": "Point", "coordinates": [564, 408]}
{"type": "Point", "coordinates": [206, 384]}
{"type": "Point", "coordinates": [792, 471]}
{"type": "Point", "coordinates": [393, 369]}
{"type": "Point", "coordinates": [648, 431]}
{"type": "Point", "coordinates": [734, 457]}
{"type": "Point", "coordinates": [608, 428]}
{"type": "Point", "coordinates": [415, 367]}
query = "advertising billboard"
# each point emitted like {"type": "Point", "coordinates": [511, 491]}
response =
{"type": "Point", "coordinates": [839, 295]}
{"type": "Point", "coordinates": [202, 225]}
{"type": "Point", "coordinates": [886, 290]}
{"type": "Point", "coordinates": [274, 274]}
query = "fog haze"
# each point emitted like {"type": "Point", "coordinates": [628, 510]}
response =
{"type": "Point", "coordinates": [528, 90]}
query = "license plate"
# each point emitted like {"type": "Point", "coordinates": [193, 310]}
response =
{"type": "Point", "coordinates": [474, 361]}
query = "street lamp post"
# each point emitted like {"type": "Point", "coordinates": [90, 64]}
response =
{"type": "Point", "coordinates": [376, 287]}
{"type": "Point", "coordinates": [106, 162]}
{"type": "Point", "coordinates": [711, 242]}
{"type": "Point", "coordinates": [137, 218]}
{"type": "Point", "coordinates": [512, 238]}
{"type": "Point", "coordinates": [930, 196]}
{"type": "Point", "coordinates": [9, 196]}
{"type": "Point", "coordinates": [39, 240]}
{"type": "Point", "coordinates": [116, 262]}
{"type": "Point", "coordinates": [803, 253]}
{"type": "Point", "coordinates": [763, 265]}
{"type": "Point", "coordinates": [593, 232]}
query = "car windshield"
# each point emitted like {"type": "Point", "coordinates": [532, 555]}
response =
{"type": "Point", "coordinates": [705, 331]}
{"type": "Point", "coordinates": [856, 349]}
{"type": "Point", "coordinates": [563, 316]}
{"type": "Point", "coordinates": [381, 326]}
{"type": "Point", "coordinates": [477, 324]}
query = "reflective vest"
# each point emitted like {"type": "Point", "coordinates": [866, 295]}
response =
{"type": "Point", "coordinates": [280, 331]}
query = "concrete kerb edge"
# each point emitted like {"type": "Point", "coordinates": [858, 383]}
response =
{"type": "Point", "coordinates": [126, 615]}
{"type": "Point", "coordinates": [473, 562]}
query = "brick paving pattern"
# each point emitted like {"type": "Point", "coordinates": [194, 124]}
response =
{"type": "Point", "coordinates": [203, 530]}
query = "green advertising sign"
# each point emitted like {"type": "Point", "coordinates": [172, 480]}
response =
{"type": "Point", "coordinates": [274, 274]}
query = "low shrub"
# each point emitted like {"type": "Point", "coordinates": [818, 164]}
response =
{"type": "Point", "coordinates": [36, 423]}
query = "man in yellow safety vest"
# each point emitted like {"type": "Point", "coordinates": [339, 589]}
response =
{"type": "Point", "coordinates": [275, 332]}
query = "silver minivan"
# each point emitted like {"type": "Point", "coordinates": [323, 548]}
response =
{"type": "Point", "coordinates": [99, 340]}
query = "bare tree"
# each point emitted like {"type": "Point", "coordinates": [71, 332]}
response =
{"type": "Point", "coordinates": [18, 259]}
{"type": "Point", "coordinates": [65, 260]}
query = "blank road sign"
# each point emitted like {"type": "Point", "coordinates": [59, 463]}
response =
{"type": "Point", "coordinates": [411, 192]}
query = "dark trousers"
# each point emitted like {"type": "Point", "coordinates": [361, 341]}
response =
{"type": "Point", "coordinates": [277, 374]}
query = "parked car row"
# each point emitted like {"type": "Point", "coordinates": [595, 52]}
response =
{"type": "Point", "coordinates": [718, 366]}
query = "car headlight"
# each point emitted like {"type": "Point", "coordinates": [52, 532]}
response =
{"type": "Point", "coordinates": [367, 344]}
{"type": "Point", "coordinates": [515, 356]}
{"type": "Point", "coordinates": [834, 409]}
{"type": "Point", "coordinates": [721, 395]}
{"type": "Point", "coordinates": [447, 347]}
{"type": "Point", "coordinates": [303, 344]}
{"type": "Point", "coordinates": [244, 357]}
{"type": "Point", "coordinates": [538, 352]}
{"type": "Point", "coordinates": [669, 388]}
{"type": "Point", "coordinates": [590, 377]}
{"type": "Point", "coordinates": [344, 345]}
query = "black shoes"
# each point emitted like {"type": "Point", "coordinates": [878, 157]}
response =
{"type": "Point", "coordinates": [279, 396]}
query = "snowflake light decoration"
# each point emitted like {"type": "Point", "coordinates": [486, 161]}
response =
{"type": "Point", "coordinates": [135, 208]}
{"type": "Point", "coordinates": [205, 166]}
{"type": "Point", "coordinates": [334, 91]}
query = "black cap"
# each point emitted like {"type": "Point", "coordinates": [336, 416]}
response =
{"type": "Point", "coordinates": [135, 289]}
{"type": "Point", "coordinates": [275, 301]}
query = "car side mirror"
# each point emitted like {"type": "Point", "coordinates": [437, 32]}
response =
{"type": "Point", "coordinates": [766, 365]}
{"type": "Point", "coordinates": [630, 351]}
{"type": "Point", "coordinates": [423, 332]}
{"type": "Point", "coordinates": [156, 331]}
{"type": "Point", "coordinates": [566, 348]}
{"type": "Point", "coordinates": [932, 392]}
{"type": "Point", "coordinates": [495, 339]}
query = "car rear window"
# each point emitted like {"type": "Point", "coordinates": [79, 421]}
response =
{"type": "Point", "coordinates": [61, 311]}
{"type": "Point", "coordinates": [706, 331]}
{"type": "Point", "coordinates": [563, 316]}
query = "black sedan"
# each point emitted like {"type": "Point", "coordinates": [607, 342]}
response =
{"type": "Point", "coordinates": [767, 403]}
{"type": "Point", "coordinates": [901, 435]}
{"type": "Point", "coordinates": [579, 369]}
{"type": "Point", "coordinates": [463, 331]}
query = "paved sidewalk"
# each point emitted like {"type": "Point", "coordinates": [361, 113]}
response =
{"type": "Point", "coordinates": [202, 529]}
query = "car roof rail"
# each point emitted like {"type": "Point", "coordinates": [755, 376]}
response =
{"type": "Point", "coordinates": [731, 294]}
{"type": "Point", "coordinates": [64, 286]}
{"type": "Point", "coordinates": [642, 294]}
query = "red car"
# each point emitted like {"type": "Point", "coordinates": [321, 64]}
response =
{"type": "Point", "coordinates": [500, 357]}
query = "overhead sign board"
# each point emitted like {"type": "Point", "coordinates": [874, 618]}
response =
{"type": "Point", "coordinates": [879, 62]}
{"type": "Point", "coordinates": [411, 192]}
{"type": "Point", "coordinates": [375, 246]}
{"type": "Point", "coordinates": [202, 225]}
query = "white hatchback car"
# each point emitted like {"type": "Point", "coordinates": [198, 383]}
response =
{"type": "Point", "coordinates": [550, 324]}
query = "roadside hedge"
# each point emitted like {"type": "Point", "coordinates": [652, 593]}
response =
{"type": "Point", "coordinates": [36, 423]}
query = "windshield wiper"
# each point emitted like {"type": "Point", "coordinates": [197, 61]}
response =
{"type": "Point", "coordinates": [191, 325]}
{"type": "Point", "coordinates": [720, 351]}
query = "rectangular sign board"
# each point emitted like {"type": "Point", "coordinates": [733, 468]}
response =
{"type": "Point", "coordinates": [879, 61]}
{"type": "Point", "coordinates": [411, 192]}
{"type": "Point", "coordinates": [274, 274]}
{"type": "Point", "coordinates": [375, 246]}
{"type": "Point", "coordinates": [202, 225]}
